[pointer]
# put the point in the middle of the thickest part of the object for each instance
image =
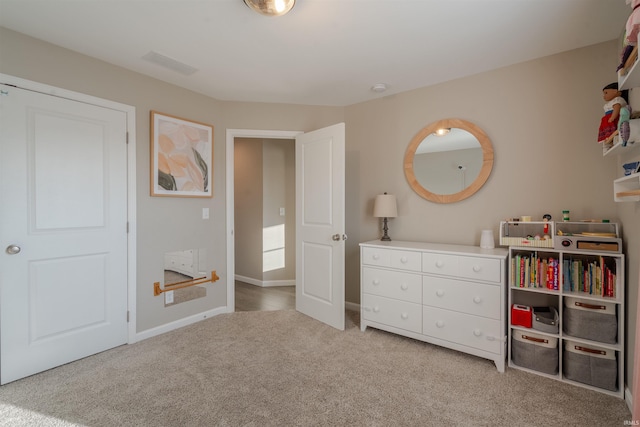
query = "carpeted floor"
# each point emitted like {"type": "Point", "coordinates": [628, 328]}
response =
{"type": "Point", "coordinates": [281, 368]}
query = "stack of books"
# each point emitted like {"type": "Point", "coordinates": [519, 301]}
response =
{"type": "Point", "coordinates": [593, 275]}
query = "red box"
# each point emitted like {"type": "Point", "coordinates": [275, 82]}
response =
{"type": "Point", "coordinates": [521, 315]}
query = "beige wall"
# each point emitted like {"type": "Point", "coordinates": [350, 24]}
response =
{"type": "Point", "coordinates": [542, 117]}
{"type": "Point", "coordinates": [248, 208]}
{"type": "Point", "coordinates": [163, 224]}
{"type": "Point", "coordinates": [280, 192]}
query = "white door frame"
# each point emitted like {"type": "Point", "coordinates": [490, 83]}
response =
{"type": "Point", "coordinates": [131, 176]}
{"type": "Point", "coordinates": [232, 134]}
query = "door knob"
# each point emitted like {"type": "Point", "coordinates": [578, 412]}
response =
{"type": "Point", "coordinates": [13, 249]}
{"type": "Point", "coordinates": [336, 237]}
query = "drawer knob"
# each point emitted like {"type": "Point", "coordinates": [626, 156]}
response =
{"type": "Point", "coordinates": [477, 332]}
{"type": "Point", "coordinates": [376, 282]}
{"type": "Point", "coordinates": [439, 264]}
{"type": "Point", "coordinates": [405, 316]}
{"type": "Point", "coordinates": [404, 260]}
{"type": "Point", "coordinates": [440, 293]}
{"type": "Point", "coordinates": [376, 309]}
{"type": "Point", "coordinates": [477, 300]}
{"type": "Point", "coordinates": [404, 286]}
{"type": "Point", "coordinates": [476, 268]}
{"type": "Point", "coordinates": [440, 324]}
{"type": "Point", "coordinates": [376, 256]}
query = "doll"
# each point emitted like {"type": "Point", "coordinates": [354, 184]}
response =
{"type": "Point", "coordinates": [614, 101]}
{"type": "Point", "coordinates": [632, 29]}
{"type": "Point", "coordinates": [633, 23]}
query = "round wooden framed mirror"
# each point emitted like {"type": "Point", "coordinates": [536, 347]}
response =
{"type": "Point", "coordinates": [448, 160]}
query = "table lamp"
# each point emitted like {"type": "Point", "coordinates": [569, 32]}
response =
{"type": "Point", "coordinates": [385, 207]}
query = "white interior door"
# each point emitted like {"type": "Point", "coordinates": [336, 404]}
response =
{"type": "Point", "coordinates": [320, 231]}
{"type": "Point", "coordinates": [63, 231]}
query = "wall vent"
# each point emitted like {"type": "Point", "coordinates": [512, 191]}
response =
{"type": "Point", "coordinates": [170, 63]}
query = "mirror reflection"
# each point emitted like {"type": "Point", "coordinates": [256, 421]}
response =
{"type": "Point", "coordinates": [181, 266]}
{"type": "Point", "coordinates": [448, 160]}
{"type": "Point", "coordinates": [447, 163]}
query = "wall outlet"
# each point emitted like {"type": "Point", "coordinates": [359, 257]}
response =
{"type": "Point", "coordinates": [168, 297]}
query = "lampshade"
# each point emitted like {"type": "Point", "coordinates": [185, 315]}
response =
{"type": "Point", "coordinates": [385, 206]}
{"type": "Point", "coordinates": [271, 7]}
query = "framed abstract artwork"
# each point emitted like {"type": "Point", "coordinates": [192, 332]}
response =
{"type": "Point", "coordinates": [181, 157]}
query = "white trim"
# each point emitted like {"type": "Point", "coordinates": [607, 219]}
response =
{"type": "Point", "coordinates": [131, 175]}
{"type": "Point", "coordinates": [628, 398]}
{"type": "Point", "coordinates": [232, 134]}
{"type": "Point", "coordinates": [168, 327]}
{"type": "Point", "coordinates": [264, 283]}
{"type": "Point", "coordinates": [272, 283]}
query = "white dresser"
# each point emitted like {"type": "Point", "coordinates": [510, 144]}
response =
{"type": "Point", "coordinates": [449, 295]}
{"type": "Point", "coordinates": [182, 262]}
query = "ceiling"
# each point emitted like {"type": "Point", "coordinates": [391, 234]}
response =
{"type": "Point", "coordinates": [324, 52]}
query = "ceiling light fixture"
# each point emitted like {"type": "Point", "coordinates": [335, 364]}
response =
{"type": "Point", "coordinates": [379, 87]}
{"type": "Point", "coordinates": [442, 131]}
{"type": "Point", "coordinates": [270, 7]}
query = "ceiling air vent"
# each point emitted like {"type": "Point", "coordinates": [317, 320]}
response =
{"type": "Point", "coordinates": [170, 63]}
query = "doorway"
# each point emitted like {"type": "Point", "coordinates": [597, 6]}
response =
{"type": "Point", "coordinates": [265, 224]}
{"type": "Point", "coordinates": [261, 215]}
{"type": "Point", "coordinates": [320, 233]}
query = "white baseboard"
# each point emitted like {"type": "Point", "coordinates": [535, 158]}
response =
{"type": "Point", "coordinates": [220, 310]}
{"type": "Point", "coordinates": [265, 283]}
{"type": "Point", "coordinates": [351, 306]}
{"type": "Point", "coordinates": [180, 323]}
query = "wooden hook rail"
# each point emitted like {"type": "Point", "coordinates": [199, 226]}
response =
{"type": "Point", "coordinates": [157, 290]}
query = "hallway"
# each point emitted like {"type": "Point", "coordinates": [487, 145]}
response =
{"type": "Point", "coordinates": [257, 298]}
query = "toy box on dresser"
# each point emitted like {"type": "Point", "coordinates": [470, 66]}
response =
{"type": "Point", "coordinates": [566, 299]}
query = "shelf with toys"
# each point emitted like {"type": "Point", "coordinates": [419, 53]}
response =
{"type": "Point", "coordinates": [566, 301]}
{"type": "Point", "coordinates": [627, 188]}
{"type": "Point", "coordinates": [626, 141]}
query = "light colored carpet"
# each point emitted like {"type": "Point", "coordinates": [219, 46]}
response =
{"type": "Point", "coordinates": [281, 368]}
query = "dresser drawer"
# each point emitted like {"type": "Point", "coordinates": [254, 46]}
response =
{"type": "Point", "coordinates": [467, 297]}
{"type": "Point", "coordinates": [405, 260]}
{"type": "Point", "coordinates": [440, 263]}
{"type": "Point", "coordinates": [464, 329]}
{"type": "Point", "coordinates": [400, 314]}
{"type": "Point", "coordinates": [392, 284]}
{"type": "Point", "coordinates": [376, 256]}
{"type": "Point", "coordinates": [476, 268]}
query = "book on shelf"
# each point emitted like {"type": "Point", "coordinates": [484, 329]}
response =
{"type": "Point", "coordinates": [585, 274]}
{"type": "Point", "coordinates": [594, 277]}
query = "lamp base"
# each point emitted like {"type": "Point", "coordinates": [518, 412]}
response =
{"type": "Point", "coordinates": [385, 236]}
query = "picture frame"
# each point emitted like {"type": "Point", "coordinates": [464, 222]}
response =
{"type": "Point", "coordinates": [181, 157]}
